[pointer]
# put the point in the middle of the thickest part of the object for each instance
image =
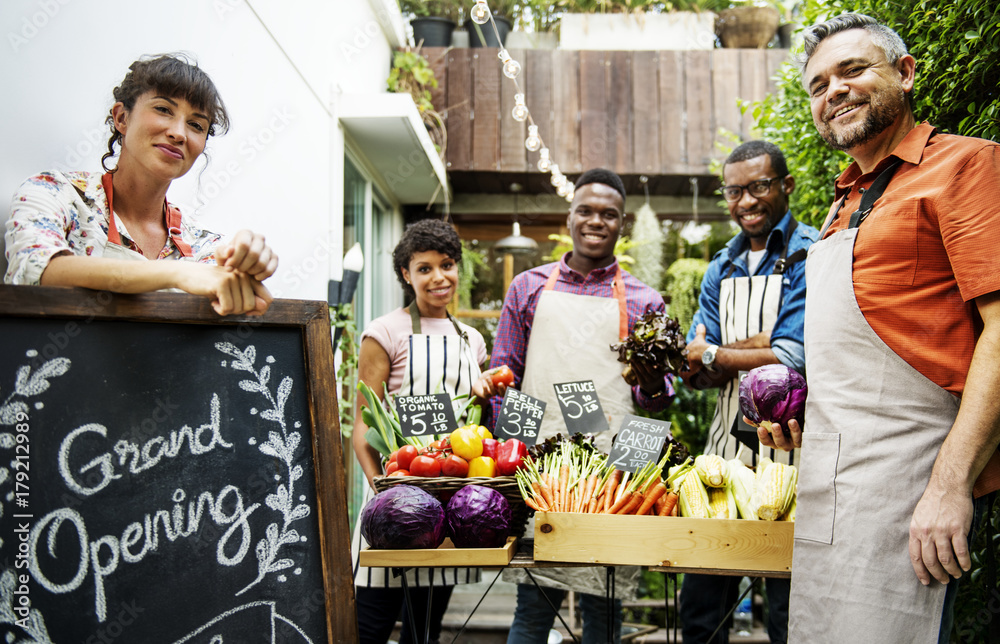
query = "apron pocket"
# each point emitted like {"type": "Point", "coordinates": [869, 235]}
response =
{"type": "Point", "coordinates": [817, 493]}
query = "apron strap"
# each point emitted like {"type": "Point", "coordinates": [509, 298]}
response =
{"type": "Point", "coordinates": [785, 260]}
{"type": "Point", "coordinates": [868, 198]}
{"type": "Point", "coordinates": [172, 219]}
{"type": "Point", "coordinates": [415, 322]}
{"type": "Point", "coordinates": [617, 291]}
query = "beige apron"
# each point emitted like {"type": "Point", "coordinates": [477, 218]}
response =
{"type": "Point", "coordinates": [571, 338]}
{"type": "Point", "coordinates": [873, 428]}
{"type": "Point", "coordinates": [434, 364]}
{"type": "Point", "coordinates": [114, 249]}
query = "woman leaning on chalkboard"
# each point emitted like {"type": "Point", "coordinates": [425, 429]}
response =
{"type": "Point", "coordinates": [419, 349]}
{"type": "Point", "coordinates": [88, 229]}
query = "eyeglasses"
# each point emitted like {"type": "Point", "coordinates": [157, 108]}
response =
{"type": "Point", "coordinates": [757, 189]}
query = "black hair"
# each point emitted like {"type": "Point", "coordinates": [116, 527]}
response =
{"type": "Point", "coordinates": [606, 177]}
{"type": "Point", "coordinates": [754, 149]}
{"type": "Point", "coordinates": [424, 235]}
{"type": "Point", "coordinates": [174, 76]}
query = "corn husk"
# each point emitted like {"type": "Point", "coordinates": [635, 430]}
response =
{"type": "Point", "coordinates": [693, 498]}
{"type": "Point", "coordinates": [712, 469]}
{"type": "Point", "coordinates": [743, 482]}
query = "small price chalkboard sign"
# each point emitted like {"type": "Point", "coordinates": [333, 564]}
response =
{"type": "Point", "coordinates": [581, 409]}
{"type": "Point", "coordinates": [639, 441]}
{"type": "Point", "coordinates": [520, 417]}
{"type": "Point", "coordinates": [425, 415]}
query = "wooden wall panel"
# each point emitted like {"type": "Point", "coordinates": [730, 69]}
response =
{"type": "Point", "coordinates": [513, 155]}
{"type": "Point", "coordinates": [645, 112]}
{"type": "Point", "coordinates": [537, 83]}
{"type": "Point", "coordinates": [673, 110]}
{"type": "Point", "coordinates": [566, 108]}
{"type": "Point", "coordinates": [725, 90]}
{"type": "Point", "coordinates": [753, 83]}
{"type": "Point", "coordinates": [486, 109]}
{"type": "Point", "coordinates": [620, 157]}
{"type": "Point", "coordinates": [459, 109]}
{"type": "Point", "coordinates": [700, 128]}
{"type": "Point", "coordinates": [594, 142]}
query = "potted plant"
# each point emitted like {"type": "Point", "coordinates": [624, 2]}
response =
{"type": "Point", "coordinates": [412, 74]}
{"type": "Point", "coordinates": [747, 25]}
{"type": "Point", "coordinates": [503, 14]}
{"type": "Point", "coordinates": [433, 21]}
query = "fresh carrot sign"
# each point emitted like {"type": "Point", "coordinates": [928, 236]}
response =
{"type": "Point", "coordinates": [638, 442]}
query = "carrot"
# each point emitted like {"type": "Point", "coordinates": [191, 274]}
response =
{"type": "Point", "coordinates": [588, 491]}
{"type": "Point", "coordinates": [634, 501]}
{"type": "Point", "coordinates": [609, 491]}
{"type": "Point", "coordinates": [651, 496]}
{"type": "Point", "coordinates": [531, 504]}
{"type": "Point", "coordinates": [564, 487]}
{"type": "Point", "coordinates": [669, 505]}
{"type": "Point", "coordinates": [544, 491]}
{"type": "Point", "coordinates": [595, 501]}
{"type": "Point", "coordinates": [620, 503]}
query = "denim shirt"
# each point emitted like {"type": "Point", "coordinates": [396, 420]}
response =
{"type": "Point", "coordinates": [787, 334]}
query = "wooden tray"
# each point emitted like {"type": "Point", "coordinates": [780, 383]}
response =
{"type": "Point", "coordinates": [720, 546]}
{"type": "Point", "coordinates": [444, 555]}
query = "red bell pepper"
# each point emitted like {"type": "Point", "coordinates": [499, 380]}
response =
{"type": "Point", "coordinates": [509, 456]}
{"type": "Point", "coordinates": [490, 447]}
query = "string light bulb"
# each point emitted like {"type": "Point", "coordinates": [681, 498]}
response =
{"type": "Point", "coordinates": [569, 194]}
{"type": "Point", "coordinates": [511, 68]}
{"type": "Point", "coordinates": [480, 12]}
{"type": "Point", "coordinates": [533, 142]}
{"type": "Point", "coordinates": [520, 111]}
{"type": "Point", "coordinates": [564, 189]}
{"type": "Point", "coordinates": [544, 163]}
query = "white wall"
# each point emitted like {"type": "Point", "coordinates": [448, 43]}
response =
{"type": "Point", "coordinates": [279, 67]}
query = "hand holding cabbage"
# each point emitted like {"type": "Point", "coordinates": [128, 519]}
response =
{"type": "Point", "coordinates": [772, 397]}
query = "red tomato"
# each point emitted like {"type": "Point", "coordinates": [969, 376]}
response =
{"type": "Point", "coordinates": [455, 466]}
{"type": "Point", "coordinates": [425, 465]}
{"type": "Point", "coordinates": [503, 375]}
{"type": "Point", "coordinates": [391, 467]}
{"type": "Point", "coordinates": [392, 457]}
{"type": "Point", "coordinates": [405, 456]}
{"type": "Point", "coordinates": [435, 445]}
{"type": "Point", "coordinates": [400, 473]}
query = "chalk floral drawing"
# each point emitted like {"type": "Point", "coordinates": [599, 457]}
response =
{"type": "Point", "coordinates": [27, 384]}
{"type": "Point", "coordinates": [283, 446]}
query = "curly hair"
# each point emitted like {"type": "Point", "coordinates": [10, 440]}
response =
{"type": "Point", "coordinates": [424, 235]}
{"type": "Point", "coordinates": [175, 76]}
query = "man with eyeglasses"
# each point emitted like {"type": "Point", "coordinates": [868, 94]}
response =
{"type": "Point", "coordinates": [902, 328]}
{"type": "Point", "coordinates": [750, 314]}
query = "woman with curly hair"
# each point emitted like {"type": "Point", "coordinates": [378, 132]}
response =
{"type": "Point", "coordinates": [417, 349]}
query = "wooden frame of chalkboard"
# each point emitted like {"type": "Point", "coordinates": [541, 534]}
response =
{"type": "Point", "coordinates": [304, 589]}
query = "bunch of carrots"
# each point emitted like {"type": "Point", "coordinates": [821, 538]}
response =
{"type": "Point", "coordinates": [571, 479]}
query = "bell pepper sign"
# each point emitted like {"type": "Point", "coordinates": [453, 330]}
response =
{"type": "Point", "coordinates": [510, 454]}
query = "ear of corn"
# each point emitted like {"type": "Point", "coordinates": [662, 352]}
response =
{"type": "Point", "coordinates": [775, 489]}
{"type": "Point", "coordinates": [742, 481]}
{"type": "Point", "coordinates": [722, 503]}
{"type": "Point", "coordinates": [789, 514]}
{"type": "Point", "coordinates": [693, 499]}
{"type": "Point", "coordinates": [712, 469]}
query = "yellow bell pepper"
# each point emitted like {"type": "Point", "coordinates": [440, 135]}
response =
{"type": "Point", "coordinates": [466, 443]}
{"type": "Point", "coordinates": [482, 466]}
{"type": "Point", "coordinates": [483, 432]}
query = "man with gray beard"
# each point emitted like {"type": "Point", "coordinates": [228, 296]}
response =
{"type": "Point", "coordinates": [902, 335]}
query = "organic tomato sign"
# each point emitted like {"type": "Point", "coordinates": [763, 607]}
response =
{"type": "Point", "coordinates": [425, 415]}
{"type": "Point", "coordinates": [520, 417]}
{"type": "Point", "coordinates": [639, 441]}
{"type": "Point", "coordinates": [581, 409]}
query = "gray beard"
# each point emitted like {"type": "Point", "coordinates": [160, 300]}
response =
{"type": "Point", "coordinates": [884, 108]}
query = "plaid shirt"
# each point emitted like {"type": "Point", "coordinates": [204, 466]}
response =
{"type": "Point", "coordinates": [510, 343]}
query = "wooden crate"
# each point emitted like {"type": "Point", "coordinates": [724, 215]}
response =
{"type": "Point", "coordinates": [714, 546]}
{"type": "Point", "coordinates": [444, 555]}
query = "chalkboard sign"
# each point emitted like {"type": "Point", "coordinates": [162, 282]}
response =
{"type": "Point", "coordinates": [425, 415]}
{"type": "Point", "coordinates": [520, 417]}
{"type": "Point", "coordinates": [581, 408]}
{"type": "Point", "coordinates": [180, 475]}
{"type": "Point", "coordinates": [639, 441]}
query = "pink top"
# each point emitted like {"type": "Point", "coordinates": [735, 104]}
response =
{"type": "Point", "coordinates": [392, 332]}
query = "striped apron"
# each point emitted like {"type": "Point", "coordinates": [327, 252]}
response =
{"type": "Point", "coordinates": [434, 364]}
{"type": "Point", "coordinates": [747, 306]}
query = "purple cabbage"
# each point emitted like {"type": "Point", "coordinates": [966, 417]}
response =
{"type": "Point", "coordinates": [478, 517]}
{"type": "Point", "coordinates": [403, 517]}
{"type": "Point", "coordinates": [773, 394]}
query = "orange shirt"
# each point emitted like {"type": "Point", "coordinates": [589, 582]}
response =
{"type": "Point", "coordinates": [930, 246]}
